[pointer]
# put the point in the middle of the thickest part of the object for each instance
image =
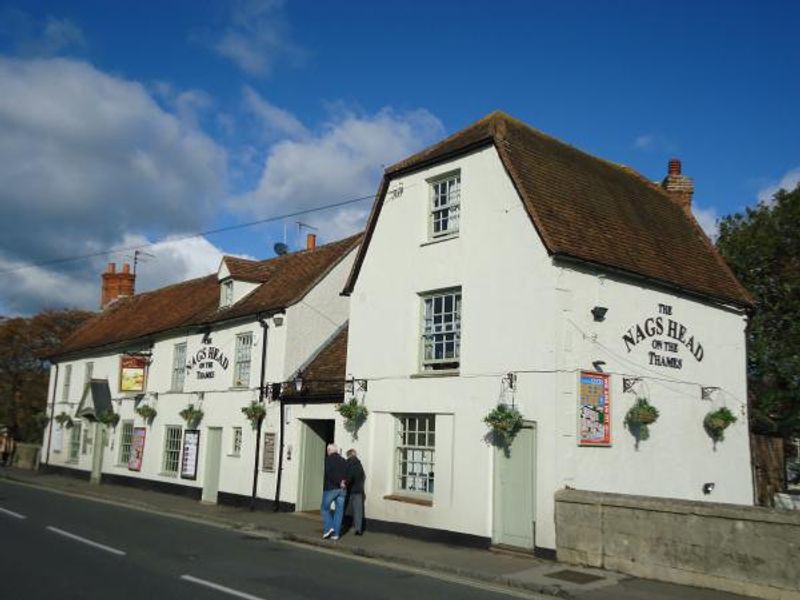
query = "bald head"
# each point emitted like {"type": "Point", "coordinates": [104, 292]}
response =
{"type": "Point", "coordinates": [332, 449]}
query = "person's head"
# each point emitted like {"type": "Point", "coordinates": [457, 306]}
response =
{"type": "Point", "coordinates": [332, 449]}
{"type": "Point", "coordinates": [352, 453]}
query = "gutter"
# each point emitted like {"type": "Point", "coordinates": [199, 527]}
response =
{"type": "Point", "coordinates": [265, 336]}
{"type": "Point", "coordinates": [52, 415]}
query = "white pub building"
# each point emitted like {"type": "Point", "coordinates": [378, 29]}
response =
{"type": "Point", "coordinates": [499, 268]}
{"type": "Point", "coordinates": [502, 266]}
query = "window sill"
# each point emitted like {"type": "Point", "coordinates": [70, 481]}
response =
{"type": "Point", "coordinates": [409, 500]}
{"type": "Point", "coordinates": [434, 374]}
{"type": "Point", "coordinates": [234, 455]}
{"type": "Point", "coordinates": [238, 388]}
{"type": "Point", "coordinates": [436, 240]}
{"type": "Point", "coordinates": [173, 475]}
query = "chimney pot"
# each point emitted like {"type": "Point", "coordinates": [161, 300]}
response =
{"type": "Point", "coordinates": [126, 268]}
{"type": "Point", "coordinates": [111, 268]}
{"type": "Point", "coordinates": [311, 241]}
{"type": "Point", "coordinates": [674, 166]}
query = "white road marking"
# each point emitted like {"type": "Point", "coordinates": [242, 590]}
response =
{"type": "Point", "coordinates": [78, 538]}
{"type": "Point", "coordinates": [11, 513]}
{"type": "Point", "coordinates": [220, 588]}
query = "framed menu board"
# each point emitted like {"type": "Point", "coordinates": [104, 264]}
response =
{"type": "Point", "coordinates": [594, 410]}
{"type": "Point", "coordinates": [191, 446]}
{"type": "Point", "coordinates": [137, 448]}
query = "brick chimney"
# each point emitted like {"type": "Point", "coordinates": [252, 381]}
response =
{"type": "Point", "coordinates": [311, 241]}
{"type": "Point", "coordinates": [678, 186]}
{"type": "Point", "coordinates": [116, 285]}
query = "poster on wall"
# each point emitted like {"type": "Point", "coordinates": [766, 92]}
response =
{"type": "Point", "coordinates": [137, 449]}
{"type": "Point", "coordinates": [191, 446]}
{"type": "Point", "coordinates": [132, 373]}
{"type": "Point", "coordinates": [594, 410]}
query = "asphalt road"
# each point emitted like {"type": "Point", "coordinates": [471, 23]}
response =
{"type": "Point", "coordinates": [58, 547]}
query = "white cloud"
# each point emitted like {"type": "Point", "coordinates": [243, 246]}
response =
{"type": "Point", "coordinates": [257, 36]}
{"type": "Point", "coordinates": [708, 220]}
{"type": "Point", "coordinates": [653, 142]}
{"type": "Point", "coordinates": [87, 159]}
{"type": "Point", "coordinates": [644, 142]}
{"type": "Point", "coordinates": [788, 182]}
{"type": "Point", "coordinates": [343, 160]}
{"type": "Point", "coordinates": [274, 120]}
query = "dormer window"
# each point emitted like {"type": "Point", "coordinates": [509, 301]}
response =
{"type": "Point", "coordinates": [227, 293]}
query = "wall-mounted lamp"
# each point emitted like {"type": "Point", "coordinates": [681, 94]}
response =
{"type": "Point", "coordinates": [352, 385]}
{"type": "Point", "coordinates": [298, 382]}
{"type": "Point", "coordinates": [706, 392]}
{"type": "Point", "coordinates": [708, 487]}
{"type": "Point", "coordinates": [599, 313]}
{"type": "Point", "coordinates": [598, 365]}
{"type": "Point", "coordinates": [278, 319]}
{"type": "Point", "coordinates": [629, 382]}
{"type": "Point", "coordinates": [511, 380]}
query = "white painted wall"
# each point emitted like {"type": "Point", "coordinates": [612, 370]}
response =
{"type": "Point", "coordinates": [523, 313]}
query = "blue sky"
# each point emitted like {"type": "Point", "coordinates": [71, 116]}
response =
{"type": "Point", "coordinates": [136, 122]}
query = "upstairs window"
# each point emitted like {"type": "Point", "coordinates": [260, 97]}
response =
{"type": "Point", "coordinates": [441, 330]}
{"type": "Point", "coordinates": [67, 382]}
{"type": "Point", "coordinates": [178, 367]}
{"type": "Point", "coordinates": [241, 368]}
{"type": "Point", "coordinates": [445, 205]}
{"type": "Point", "coordinates": [227, 293]}
{"type": "Point", "coordinates": [89, 372]}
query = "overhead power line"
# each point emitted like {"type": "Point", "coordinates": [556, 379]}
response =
{"type": "Point", "coordinates": [111, 251]}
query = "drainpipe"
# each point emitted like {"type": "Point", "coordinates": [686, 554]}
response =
{"type": "Point", "coordinates": [52, 415]}
{"type": "Point", "coordinates": [277, 506]}
{"type": "Point", "coordinates": [265, 330]}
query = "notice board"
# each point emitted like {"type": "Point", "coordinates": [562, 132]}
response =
{"type": "Point", "coordinates": [137, 448]}
{"type": "Point", "coordinates": [594, 410]}
{"type": "Point", "coordinates": [191, 447]}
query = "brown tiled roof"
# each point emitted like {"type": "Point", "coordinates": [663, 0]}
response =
{"type": "Point", "coordinates": [195, 302]}
{"type": "Point", "coordinates": [586, 208]}
{"type": "Point", "coordinates": [324, 375]}
{"type": "Point", "coordinates": [243, 269]}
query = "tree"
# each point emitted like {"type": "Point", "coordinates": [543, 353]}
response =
{"type": "Point", "coordinates": [762, 247]}
{"type": "Point", "coordinates": [24, 370]}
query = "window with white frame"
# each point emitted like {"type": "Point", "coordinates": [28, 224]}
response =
{"type": "Point", "coordinates": [416, 441]}
{"type": "Point", "coordinates": [445, 205]}
{"type": "Point", "coordinates": [178, 367]}
{"type": "Point", "coordinates": [227, 293]}
{"type": "Point", "coordinates": [125, 438]}
{"type": "Point", "coordinates": [236, 441]}
{"type": "Point", "coordinates": [87, 441]}
{"type": "Point", "coordinates": [67, 383]}
{"type": "Point", "coordinates": [88, 372]}
{"type": "Point", "coordinates": [241, 368]}
{"type": "Point", "coordinates": [75, 442]}
{"type": "Point", "coordinates": [172, 450]}
{"type": "Point", "coordinates": [441, 330]}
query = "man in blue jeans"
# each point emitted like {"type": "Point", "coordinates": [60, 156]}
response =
{"type": "Point", "coordinates": [334, 488]}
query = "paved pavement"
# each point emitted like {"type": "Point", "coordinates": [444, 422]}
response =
{"type": "Point", "coordinates": [518, 574]}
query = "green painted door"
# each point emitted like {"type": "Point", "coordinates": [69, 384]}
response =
{"type": "Point", "coordinates": [514, 483]}
{"type": "Point", "coordinates": [314, 439]}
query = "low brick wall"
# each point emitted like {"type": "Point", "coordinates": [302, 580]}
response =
{"type": "Point", "coordinates": [743, 549]}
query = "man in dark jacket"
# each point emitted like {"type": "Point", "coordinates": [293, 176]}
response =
{"type": "Point", "coordinates": [333, 492]}
{"type": "Point", "coordinates": [355, 482]}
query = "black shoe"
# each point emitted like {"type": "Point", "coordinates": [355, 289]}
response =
{"type": "Point", "coordinates": [359, 533]}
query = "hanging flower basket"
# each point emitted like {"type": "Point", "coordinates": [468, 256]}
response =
{"type": "Point", "coordinates": [192, 416]}
{"type": "Point", "coordinates": [147, 412]}
{"type": "Point", "coordinates": [354, 412]}
{"type": "Point", "coordinates": [109, 418]}
{"type": "Point", "coordinates": [64, 420]}
{"type": "Point", "coordinates": [716, 422]}
{"type": "Point", "coordinates": [255, 412]}
{"type": "Point", "coordinates": [639, 417]}
{"type": "Point", "coordinates": [505, 422]}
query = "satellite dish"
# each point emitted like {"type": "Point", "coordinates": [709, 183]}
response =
{"type": "Point", "coordinates": [280, 248]}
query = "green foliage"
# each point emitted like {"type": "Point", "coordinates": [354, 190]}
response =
{"type": "Point", "coordinates": [255, 411]}
{"type": "Point", "coordinates": [108, 417]}
{"type": "Point", "coordinates": [353, 411]}
{"type": "Point", "coordinates": [639, 417]}
{"type": "Point", "coordinates": [192, 415]}
{"type": "Point", "coordinates": [505, 421]}
{"type": "Point", "coordinates": [64, 420]}
{"type": "Point", "coordinates": [24, 371]}
{"type": "Point", "coordinates": [716, 422]}
{"type": "Point", "coordinates": [762, 248]}
{"type": "Point", "coordinates": [147, 412]}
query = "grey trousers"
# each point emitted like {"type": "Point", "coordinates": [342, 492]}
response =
{"type": "Point", "coordinates": [357, 508]}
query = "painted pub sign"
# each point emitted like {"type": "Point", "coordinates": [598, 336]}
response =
{"type": "Point", "coordinates": [206, 361]}
{"type": "Point", "coordinates": [666, 341]}
{"type": "Point", "coordinates": [132, 373]}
